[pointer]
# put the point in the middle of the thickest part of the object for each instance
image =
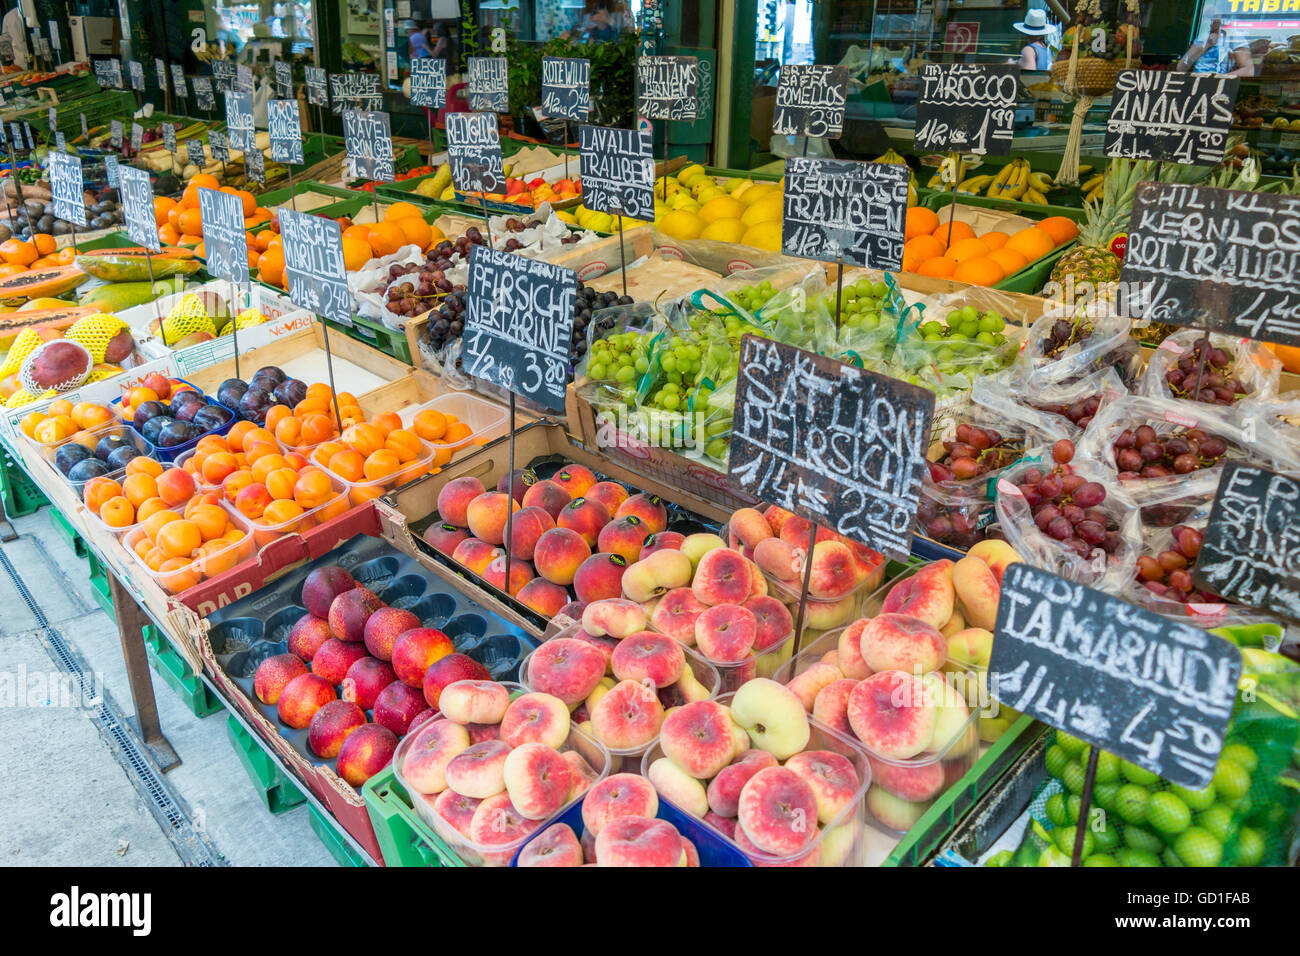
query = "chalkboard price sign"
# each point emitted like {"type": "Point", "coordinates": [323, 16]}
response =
{"type": "Point", "coordinates": [224, 239]}
{"type": "Point", "coordinates": [283, 80]}
{"type": "Point", "coordinates": [667, 87]}
{"type": "Point", "coordinates": [355, 91]}
{"type": "Point", "coordinates": [489, 85]}
{"type": "Point", "coordinates": [810, 101]}
{"type": "Point", "coordinates": [313, 263]}
{"type": "Point", "coordinates": [115, 73]}
{"type": "Point", "coordinates": [223, 75]}
{"type": "Point", "coordinates": [60, 143]}
{"type": "Point", "coordinates": [52, 119]}
{"type": "Point", "coordinates": [617, 171]}
{"type": "Point", "coordinates": [16, 136]}
{"type": "Point", "coordinates": [136, 70]}
{"type": "Point", "coordinates": [566, 88]}
{"type": "Point", "coordinates": [160, 72]}
{"type": "Point", "coordinates": [519, 319]}
{"type": "Point", "coordinates": [255, 165]}
{"type": "Point", "coordinates": [137, 136]}
{"type": "Point", "coordinates": [203, 95]}
{"type": "Point", "coordinates": [1217, 259]}
{"type": "Point", "coordinates": [54, 34]}
{"type": "Point", "coordinates": [1148, 689]}
{"type": "Point", "coordinates": [429, 82]}
{"type": "Point", "coordinates": [285, 129]}
{"type": "Point", "coordinates": [1170, 116]}
{"type": "Point", "coordinates": [68, 188]}
{"type": "Point", "coordinates": [1251, 550]}
{"type": "Point", "coordinates": [194, 149]}
{"type": "Point", "coordinates": [115, 133]}
{"type": "Point", "coordinates": [111, 170]}
{"type": "Point", "coordinates": [838, 209]}
{"type": "Point", "coordinates": [967, 108]}
{"type": "Point", "coordinates": [474, 151]}
{"type": "Point", "coordinates": [317, 90]}
{"type": "Point", "coordinates": [29, 135]}
{"type": "Point", "coordinates": [219, 146]}
{"type": "Point", "coordinates": [108, 74]}
{"type": "Point", "coordinates": [85, 128]}
{"type": "Point", "coordinates": [239, 120]}
{"type": "Point", "coordinates": [178, 80]}
{"type": "Point", "coordinates": [368, 141]}
{"type": "Point", "coordinates": [137, 207]}
{"type": "Point", "coordinates": [243, 78]}
{"type": "Point", "coordinates": [169, 137]}
{"type": "Point", "coordinates": [839, 445]}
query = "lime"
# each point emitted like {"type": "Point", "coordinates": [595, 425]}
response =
{"type": "Point", "coordinates": [1131, 857]}
{"type": "Point", "coordinates": [1170, 858]}
{"type": "Point", "coordinates": [1231, 779]}
{"type": "Point", "coordinates": [1197, 847]}
{"type": "Point", "coordinates": [1072, 806]}
{"type": "Point", "coordinates": [1065, 841]}
{"type": "Point", "coordinates": [1250, 847]}
{"type": "Point", "coordinates": [1069, 743]}
{"type": "Point", "coordinates": [1100, 859]}
{"type": "Point", "coordinates": [1073, 777]}
{"type": "Point", "coordinates": [1057, 760]}
{"type": "Point", "coordinates": [1135, 774]}
{"type": "Point", "coordinates": [1142, 839]}
{"type": "Point", "coordinates": [1054, 857]}
{"type": "Point", "coordinates": [1243, 755]}
{"type": "Point", "coordinates": [1167, 813]}
{"type": "Point", "coordinates": [1107, 768]}
{"type": "Point", "coordinates": [1001, 858]}
{"type": "Point", "coordinates": [1217, 821]}
{"type": "Point", "coordinates": [1056, 811]}
{"type": "Point", "coordinates": [1104, 795]}
{"type": "Point", "coordinates": [1195, 799]}
{"type": "Point", "coordinates": [1106, 837]}
{"type": "Point", "coordinates": [1131, 803]}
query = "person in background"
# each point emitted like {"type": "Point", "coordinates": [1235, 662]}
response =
{"type": "Point", "coordinates": [1217, 54]}
{"type": "Point", "coordinates": [444, 48]}
{"type": "Point", "coordinates": [15, 27]}
{"type": "Point", "coordinates": [1035, 56]}
{"type": "Point", "coordinates": [597, 24]}
{"type": "Point", "coordinates": [417, 45]}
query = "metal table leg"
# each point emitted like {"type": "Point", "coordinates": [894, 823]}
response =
{"type": "Point", "coordinates": [130, 625]}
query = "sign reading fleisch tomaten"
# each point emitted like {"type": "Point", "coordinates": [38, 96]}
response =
{"type": "Point", "coordinates": [1149, 689]}
{"type": "Point", "coordinates": [837, 209]}
{"type": "Point", "coordinates": [313, 265]}
{"type": "Point", "coordinates": [810, 101]}
{"type": "Point", "coordinates": [474, 151]}
{"type": "Point", "coordinates": [566, 88]}
{"type": "Point", "coordinates": [967, 108]}
{"type": "Point", "coordinates": [617, 171]}
{"type": "Point", "coordinates": [1217, 259]}
{"type": "Point", "coordinates": [194, 149]}
{"type": "Point", "coordinates": [429, 82]}
{"type": "Point", "coordinates": [255, 165]}
{"type": "Point", "coordinates": [1170, 116]}
{"type": "Point", "coordinates": [489, 84]}
{"type": "Point", "coordinates": [283, 79]}
{"type": "Point", "coordinates": [839, 445]}
{"type": "Point", "coordinates": [219, 146]}
{"type": "Point", "coordinates": [667, 87]}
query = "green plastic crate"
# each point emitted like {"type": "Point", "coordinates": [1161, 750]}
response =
{"type": "Point", "coordinates": [20, 495]}
{"type": "Point", "coordinates": [404, 839]}
{"type": "Point", "coordinates": [99, 585]}
{"type": "Point", "coordinates": [277, 792]}
{"type": "Point", "coordinates": [68, 533]}
{"type": "Point", "coordinates": [1035, 275]}
{"type": "Point", "coordinates": [377, 335]}
{"type": "Point", "coordinates": [176, 674]}
{"type": "Point", "coordinates": [334, 841]}
{"type": "Point", "coordinates": [1012, 207]}
{"type": "Point", "coordinates": [275, 197]}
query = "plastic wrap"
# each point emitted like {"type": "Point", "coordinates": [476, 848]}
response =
{"type": "Point", "coordinates": [1041, 410]}
{"type": "Point", "coordinates": [1251, 363]}
{"type": "Point", "coordinates": [1108, 344]}
{"type": "Point", "coordinates": [369, 286]}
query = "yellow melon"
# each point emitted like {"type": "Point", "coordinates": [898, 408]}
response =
{"type": "Point", "coordinates": [724, 230]}
{"type": "Point", "coordinates": [767, 209]}
{"type": "Point", "coordinates": [722, 207]}
{"type": "Point", "coordinates": [764, 235]}
{"type": "Point", "coordinates": [681, 224]}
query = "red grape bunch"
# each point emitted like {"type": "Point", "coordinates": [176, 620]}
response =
{"type": "Point", "coordinates": [1066, 506]}
{"type": "Point", "coordinates": [1142, 453]}
{"type": "Point", "coordinates": [974, 451]}
{"type": "Point", "coordinates": [1079, 412]}
{"type": "Point", "coordinates": [1217, 386]}
{"type": "Point", "coordinates": [1063, 334]}
{"type": "Point", "coordinates": [1169, 573]}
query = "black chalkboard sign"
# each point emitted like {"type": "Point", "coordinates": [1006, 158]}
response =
{"type": "Point", "coordinates": [137, 207]}
{"type": "Point", "coordinates": [243, 78]}
{"type": "Point", "coordinates": [178, 80]}
{"type": "Point", "coordinates": [60, 143]}
{"type": "Point", "coordinates": [1170, 116]}
{"type": "Point", "coordinates": [219, 145]}
{"type": "Point", "coordinates": [137, 136]}
{"type": "Point", "coordinates": [85, 127]}
{"type": "Point", "coordinates": [1215, 258]}
{"type": "Point", "coordinates": [285, 129]}
{"type": "Point", "coordinates": [160, 72]}
{"type": "Point", "coordinates": [810, 101]}
{"type": "Point", "coordinates": [223, 75]}
{"type": "Point", "coordinates": [667, 87]}
{"type": "Point", "coordinates": [313, 265]}
{"type": "Point", "coordinates": [255, 165]}
{"type": "Point", "coordinates": [283, 80]}
{"type": "Point", "coordinates": [355, 91]}
{"type": "Point", "coordinates": [111, 170]}
{"type": "Point", "coordinates": [1148, 689]}
{"type": "Point", "coordinates": [68, 188]}
{"type": "Point", "coordinates": [838, 209]}
{"type": "Point", "coordinates": [474, 151]}
{"type": "Point", "coordinates": [52, 119]}
{"type": "Point", "coordinates": [225, 241]}
{"type": "Point", "coordinates": [967, 108]}
{"type": "Point", "coordinates": [519, 319]}
{"type": "Point", "coordinates": [29, 135]}
{"type": "Point", "coordinates": [195, 150]}
{"type": "Point", "coordinates": [4, 137]}
{"type": "Point", "coordinates": [239, 119]}
{"type": "Point", "coordinates": [16, 136]}
{"type": "Point", "coordinates": [489, 84]}
{"type": "Point", "coordinates": [429, 82]}
{"type": "Point", "coordinates": [368, 141]}
{"type": "Point", "coordinates": [1251, 550]}
{"type": "Point", "coordinates": [169, 137]}
{"type": "Point", "coordinates": [203, 96]}
{"type": "Point", "coordinates": [839, 445]}
{"type": "Point", "coordinates": [54, 34]}
{"type": "Point", "coordinates": [566, 88]}
{"type": "Point", "coordinates": [136, 70]}
{"type": "Point", "coordinates": [115, 133]}
{"type": "Point", "coordinates": [108, 73]}
{"type": "Point", "coordinates": [617, 171]}
{"type": "Point", "coordinates": [317, 90]}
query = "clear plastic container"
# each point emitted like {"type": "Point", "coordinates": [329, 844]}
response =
{"type": "Point", "coordinates": [170, 453]}
{"type": "Point", "coordinates": [182, 578]}
{"type": "Point", "coordinates": [840, 842]}
{"type": "Point", "coordinates": [588, 748]}
{"type": "Point", "coordinates": [89, 438]}
{"type": "Point", "coordinates": [486, 420]}
{"type": "Point", "coordinates": [360, 492]}
{"type": "Point", "coordinates": [628, 759]}
{"type": "Point", "coordinates": [47, 448]}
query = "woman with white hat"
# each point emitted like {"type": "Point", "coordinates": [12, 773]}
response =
{"type": "Point", "coordinates": [1035, 56]}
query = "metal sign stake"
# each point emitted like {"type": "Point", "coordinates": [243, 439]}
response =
{"type": "Point", "coordinates": [803, 590]}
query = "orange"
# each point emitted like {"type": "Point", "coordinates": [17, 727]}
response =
{"type": "Point", "coordinates": [910, 263]}
{"type": "Point", "coordinates": [1032, 243]}
{"type": "Point", "coordinates": [940, 267]}
{"type": "Point", "coordinates": [355, 253]}
{"type": "Point", "coordinates": [150, 507]}
{"type": "Point", "coordinates": [11, 269]}
{"type": "Point", "coordinates": [254, 257]}
{"type": "Point", "coordinates": [169, 235]}
{"type": "Point", "coordinates": [994, 240]}
{"type": "Point", "coordinates": [178, 539]}
{"type": "Point", "coordinates": [190, 223]}
{"type": "Point", "coordinates": [204, 181]}
{"type": "Point", "coordinates": [357, 231]}
{"type": "Point", "coordinates": [964, 249]}
{"type": "Point", "coordinates": [270, 268]}
{"type": "Point", "coordinates": [920, 221]}
{"type": "Point", "coordinates": [923, 247]}
{"type": "Point", "coordinates": [348, 465]}
{"type": "Point", "coordinates": [139, 488]}
{"type": "Point", "coordinates": [161, 206]}
{"type": "Point", "coordinates": [416, 231]}
{"type": "Point", "coordinates": [401, 210]}
{"type": "Point", "coordinates": [430, 424]}
{"type": "Point", "coordinates": [249, 201]}
{"type": "Point", "coordinates": [949, 233]}
{"type": "Point", "coordinates": [386, 238]}
{"type": "Point", "coordinates": [1010, 260]}
{"type": "Point", "coordinates": [1061, 229]}
{"type": "Point", "coordinates": [45, 245]}
{"type": "Point", "coordinates": [18, 252]}
{"type": "Point", "coordinates": [980, 270]}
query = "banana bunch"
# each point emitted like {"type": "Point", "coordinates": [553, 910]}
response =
{"type": "Point", "coordinates": [890, 156]}
{"type": "Point", "coordinates": [1093, 187]}
{"type": "Point", "coordinates": [1011, 182]}
{"type": "Point", "coordinates": [936, 181]}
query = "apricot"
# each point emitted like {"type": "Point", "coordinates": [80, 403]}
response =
{"type": "Point", "coordinates": [179, 539]}
{"type": "Point", "coordinates": [139, 488]}
{"type": "Point", "coordinates": [252, 501]}
{"type": "Point", "coordinates": [312, 488]}
{"type": "Point", "coordinates": [364, 438]}
{"type": "Point", "coordinates": [317, 428]}
{"type": "Point", "coordinates": [151, 507]}
{"type": "Point", "coordinates": [235, 483]}
{"type": "Point", "coordinates": [235, 437]}
{"type": "Point", "coordinates": [175, 486]}
{"type": "Point", "coordinates": [430, 424]}
{"type": "Point", "coordinates": [215, 467]}
{"type": "Point", "coordinates": [280, 483]}
{"type": "Point", "coordinates": [266, 464]}
{"type": "Point", "coordinates": [117, 512]}
{"type": "Point", "coordinates": [211, 521]}
{"type": "Point", "coordinates": [99, 490]}
{"type": "Point", "coordinates": [381, 464]}
{"type": "Point", "coordinates": [276, 414]}
{"type": "Point", "coordinates": [386, 422]}
{"type": "Point", "coordinates": [289, 430]}
{"type": "Point", "coordinates": [157, 520]}
{"type": "Point", "coordinates": [404, 444]}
